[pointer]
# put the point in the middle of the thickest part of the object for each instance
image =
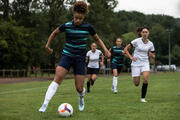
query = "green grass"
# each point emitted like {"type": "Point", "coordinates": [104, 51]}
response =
{"type": "Point", "coordinates": [21, 101]}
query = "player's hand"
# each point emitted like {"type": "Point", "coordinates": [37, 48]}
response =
{"type": "Point", "coordinates": [152, 55]}
{"type": "Point", "coordinates": [133, 58]}
{"type": "Point", "coordinates": [49, 50]}
{"type": "Point", "coordinates": [107, 54]}
{"type": "Point", "coordinates": [123, 52]}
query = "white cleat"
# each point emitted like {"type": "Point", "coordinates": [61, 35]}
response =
{"type": "Point", "coordinates": [43, 108]}
{"type": "Point", "coordinates": [143, 100]}
{"type": "Point", "coordinates": [115, 91]}
{"type": "Point", "coordinates": [81, 103]}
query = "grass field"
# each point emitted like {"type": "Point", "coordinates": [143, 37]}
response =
{"type": "Point", "coordinates": [21, 101]}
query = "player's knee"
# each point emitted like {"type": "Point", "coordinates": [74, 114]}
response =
{"type": "Point", "coordinates": [136, 84]}
{"type": "Point", "coordinates": [79, 89]}
{"type": "Point", "coordinates": [58, 79]}
{"type": "Point", "coordinates": [93, 78]}
{"type": "Point", "coordinates": [145, 81]}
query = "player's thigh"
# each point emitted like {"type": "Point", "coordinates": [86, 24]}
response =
{"type": "Point", "coordinates": [79, 74]}
{"type": "Point", "coordinates": [89, 77]}
{"type": "Point", "coordinates": [115, 72]}
{"type": "Point", "coordinates": [114, 69]}
{"type": "Point", "coordinates": [79, 67]}
{"type": "Point", "coordinates": [119, 69]}
{"type": "Point", "coordinates": [60, 74]}
{"type": "Point", "coordinates": [136, 72]}
{"type": "Point", "coordinates": [145, 73]}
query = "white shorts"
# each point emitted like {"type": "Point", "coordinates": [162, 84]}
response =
{"type": "Point", "coordinates": [137, 70]}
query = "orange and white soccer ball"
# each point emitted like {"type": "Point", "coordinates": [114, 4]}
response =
{"type": "Point", "coordinates": [65, 110]}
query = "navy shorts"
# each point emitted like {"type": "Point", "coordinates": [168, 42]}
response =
{"type": "Point", "coordinates": [115, 66]}
{"type": "Point", "coordinates": [92, 70]}
{"type": "Point", "coordinates": [78, 64]}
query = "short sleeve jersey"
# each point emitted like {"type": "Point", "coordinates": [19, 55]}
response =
{"type": "Point", "coordinates": [117, 55]}
{"type": "Point", "coordinates": [93, 58]}
{"type": "Point", "coordinates": [141, 51]}
{"type": "Point", "coordinates": [76, 38]}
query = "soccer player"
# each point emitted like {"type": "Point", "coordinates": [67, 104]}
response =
{"type": "Point", "coordinates": [117, 55]}
{"type": "Point", "coordinates": [140, 59]}
{"type": "Point", "coordinates": [74, 52]}
{"type": "Point", "coordinates": [93, 58]}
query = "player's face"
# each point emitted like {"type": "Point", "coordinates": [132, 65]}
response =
{"type": "Point", "coordinates": [118, 42]}
{"type": "Point", "coordinates": [78, 18]}
{"type": "Point", "coordinates": [145, 33]}
{"type": "Point", "coordinates": [93, 47]}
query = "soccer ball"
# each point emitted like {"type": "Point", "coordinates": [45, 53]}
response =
{"type": "Point", "coordinates": [65, 110]}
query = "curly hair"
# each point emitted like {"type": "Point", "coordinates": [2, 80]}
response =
{"type": "Point", "coordinates": [80, 7]}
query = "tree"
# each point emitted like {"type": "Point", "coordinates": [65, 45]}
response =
{"type": "Point", "coordinates": [14, 44]}
{"type": "Point", "coordinates": [128, 37]}
{"type": "Point", "coordinates": [159, 36]}
{"type": "Point", "coordinates": [176, 55]}
{"type": "Point", "coordinates": [5, 5]}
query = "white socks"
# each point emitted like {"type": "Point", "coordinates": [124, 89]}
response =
{"type": "Point", "coordinates": [50, 92]}
{"type": "Point", "coordinates": [82, 94]}
{"type": "Point", "coordinates": [115, 81]}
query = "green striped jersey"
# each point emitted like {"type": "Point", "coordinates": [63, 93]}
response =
{"type": "Point", "coordinates": [76, 38]}
{"type": "Point", "coordinates": [117, 55]}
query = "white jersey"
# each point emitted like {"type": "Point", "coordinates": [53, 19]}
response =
{"type": "Point", "coordinates": [141, 52]}
{"type": "Point", "coordinates": [93, 58]}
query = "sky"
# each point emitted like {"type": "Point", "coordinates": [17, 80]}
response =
{"type": "Point", "coordinates": [165, 7]}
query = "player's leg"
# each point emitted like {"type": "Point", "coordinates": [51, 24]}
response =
{"type": "Point", "coordinates": [136, 72]}
{"type": "Point", "coordinates": [59, 76]}
{"type": "Point", "coordinates": [115, 80]}
{"type": "Point", "coordinates": [89, 82]}
{"type": "Point", "coordinates": [136, 80]}
{"type": "Point", "coordinates": [79, 82]}
{"type": "Point", "coordinates": [145, 75]}
{"type": "Point", "coordinates": [79, 71]}
{"type": "Point", "coordinates": [94, 76]}
{"type": "Point", "coordinates": [62, 69]}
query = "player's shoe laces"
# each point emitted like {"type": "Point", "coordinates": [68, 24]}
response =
{"type": "Point", "coordinates": [143, 100]}
{"type": "Point", "coordinates": [81, 103]}
{"type": "Point", "coordinates": [43, 108]}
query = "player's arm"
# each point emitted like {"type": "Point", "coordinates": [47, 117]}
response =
{"type": "Point", "coordinates": [126, 51]}
{"type": "Point", "coordinates": [152, 54]}
{"type": "Point", "coordinates": [51, 37]}
{"type": "Point", "coordinates": [100, 42]}
{"type": "Point", "coordinates": [102, 60]}
{"type": "Point", "coordinates": [110, 50]}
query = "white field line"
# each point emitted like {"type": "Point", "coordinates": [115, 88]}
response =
{"type": "Point", "coordinates": [22, 90]}
{"type": "Point", "coordinates": [30, 89]}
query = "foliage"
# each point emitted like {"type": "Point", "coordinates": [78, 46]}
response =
{"type": "Point", "coordinates": [26, 24]}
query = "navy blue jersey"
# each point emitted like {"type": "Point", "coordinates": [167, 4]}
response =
{"type": "Point", "coordinates": [117, 55]}
{"type": "Point", "coordinates": [76, 38]}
